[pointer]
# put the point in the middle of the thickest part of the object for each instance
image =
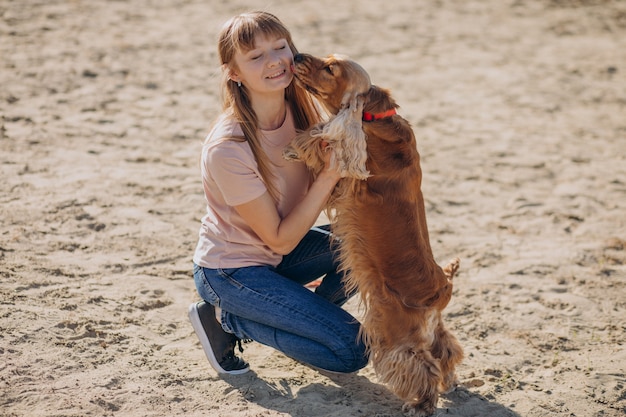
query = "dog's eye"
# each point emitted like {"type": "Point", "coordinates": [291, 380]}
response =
{"type": "Point", "coordinates": [329, 69]}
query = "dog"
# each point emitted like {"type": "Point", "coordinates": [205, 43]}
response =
{"type": "Point", "coordinates": [379, 221]}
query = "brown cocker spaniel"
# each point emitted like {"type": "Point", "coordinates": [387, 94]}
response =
{"type": "Point", "coordinates": [379, 221]}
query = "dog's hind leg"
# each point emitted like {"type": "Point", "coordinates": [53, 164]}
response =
{"type": "Point", "coordinates": [452, 267]}
{"type": "Point", "coordinates": [448, 350]}
{"type": "Point", "coordinates": [413, 375]}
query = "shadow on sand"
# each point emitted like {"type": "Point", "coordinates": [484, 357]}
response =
{"type": "Point", "coordinates": [352, 395]}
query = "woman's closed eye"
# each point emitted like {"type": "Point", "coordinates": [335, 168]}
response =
{"type": "Point", "coordinates": [254, 57]}
{"type": "Point", "coordinates": [280, 45]}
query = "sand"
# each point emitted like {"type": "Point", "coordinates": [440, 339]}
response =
{"type": "Point", "coordinates": [520, 113]}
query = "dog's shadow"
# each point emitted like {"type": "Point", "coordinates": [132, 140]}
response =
{"type": "Point", "coordinates": [351, 395]}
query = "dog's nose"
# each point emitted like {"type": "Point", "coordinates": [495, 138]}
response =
{"type": "Point", "coordinates": [298, 58]}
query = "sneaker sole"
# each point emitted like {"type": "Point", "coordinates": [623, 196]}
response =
{"type": "Point", "coordinates": [194, 317]}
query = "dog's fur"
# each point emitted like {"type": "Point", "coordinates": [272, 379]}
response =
{"type": "Point", "coordinates": [380, 222]}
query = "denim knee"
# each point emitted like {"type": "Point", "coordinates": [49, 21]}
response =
{"type": "Point", "coordinates": [360, 361]}
{"type": "Point", "coordinates": [356, 360]}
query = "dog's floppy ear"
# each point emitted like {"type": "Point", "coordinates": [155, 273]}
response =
{"type": "Point", "coordinates": [359, 83]}
{"type": "Point", "coordinates": [354, 104]}
{"type": "Point", "coordinates": [350, 97]}
{"type": "Point", "coordinates": [344, 133]}
{"type": "Point", "coordinates": [349, 100]}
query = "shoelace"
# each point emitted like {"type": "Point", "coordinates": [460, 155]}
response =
{"type": "Point", "coordinates": [245, 341]}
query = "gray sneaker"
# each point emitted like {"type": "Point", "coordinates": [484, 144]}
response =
{"type": "Point", "coordinates": [218, 345]}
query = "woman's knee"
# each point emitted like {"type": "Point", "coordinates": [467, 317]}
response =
{"type": "Point", "coordinates": [359, 363]}
{"type": "Point", "coordinates": [356, 357]}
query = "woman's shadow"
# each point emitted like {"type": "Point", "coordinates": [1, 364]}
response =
{"type": "Point", "coordinates": [348, 395]}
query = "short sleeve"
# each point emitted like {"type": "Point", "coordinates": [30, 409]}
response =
{"type": "Point", "coordinates": [233, 168]}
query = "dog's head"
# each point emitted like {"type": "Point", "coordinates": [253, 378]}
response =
{"type": "Point", "coordinates": [335, 80]}
{"type": "Point", "coordinates": [341, 85]}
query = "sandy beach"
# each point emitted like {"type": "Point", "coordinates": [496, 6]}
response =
{"type": "Point", "coordinates": [519, 109]}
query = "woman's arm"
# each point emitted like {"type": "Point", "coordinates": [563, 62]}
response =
{"type": "Point", "coordinates": [283, 234]}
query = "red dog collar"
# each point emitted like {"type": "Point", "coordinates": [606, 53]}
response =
{"type": "Point", "coordinates": [368, 117]}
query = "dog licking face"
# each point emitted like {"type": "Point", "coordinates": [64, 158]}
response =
{"type": "Point", "coordinates": [339, 85]}
{"type": "Point", "coordinates": [335, 80]}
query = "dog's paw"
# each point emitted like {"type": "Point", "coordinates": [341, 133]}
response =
{"type": "Point", "coordinates": [450, 384]}
{"type": "Point", "coordinates": [452, 267]}
{"type": "Point", "coordinates": [290, 155]}
{"type": "Point", "coordinates": [418, 408]}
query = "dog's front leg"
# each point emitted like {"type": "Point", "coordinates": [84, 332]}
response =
{"type": "Point", "coordinates": [306, 147]}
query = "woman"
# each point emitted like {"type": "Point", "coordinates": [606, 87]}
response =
{"type": "Point", "coordinates": [257, 246]}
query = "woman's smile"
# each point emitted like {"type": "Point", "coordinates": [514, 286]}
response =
{"type": "Point", "coordinates": [276, 74]}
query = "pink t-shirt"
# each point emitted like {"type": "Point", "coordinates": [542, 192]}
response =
{"type": "Point", "coordinates": [231, 177]}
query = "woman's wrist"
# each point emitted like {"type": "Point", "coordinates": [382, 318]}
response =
{"type": "Point", "coordinates": [330, 176]}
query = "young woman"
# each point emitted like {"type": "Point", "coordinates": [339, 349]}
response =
{"type": "Point", "coordinates": [257, 244]}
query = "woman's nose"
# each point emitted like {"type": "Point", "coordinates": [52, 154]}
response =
{"type": "Point", "coordinates": [274, 59]}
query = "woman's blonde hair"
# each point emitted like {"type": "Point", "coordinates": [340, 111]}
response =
{"type": "Point", "coordinates": [239, 34]}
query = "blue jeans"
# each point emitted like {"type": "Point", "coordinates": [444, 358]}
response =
{"type": "Point", "coordinates": [271, 306]}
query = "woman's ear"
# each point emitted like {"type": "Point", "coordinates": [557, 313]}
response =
{"type": "Point", "coordinates": [230, 73]}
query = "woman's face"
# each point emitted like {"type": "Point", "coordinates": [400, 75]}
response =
{"type": "Point", "coordinates": [266, 68]}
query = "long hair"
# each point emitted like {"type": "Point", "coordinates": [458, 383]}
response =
{"type": "Point", "coordinates": [238, 35]}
